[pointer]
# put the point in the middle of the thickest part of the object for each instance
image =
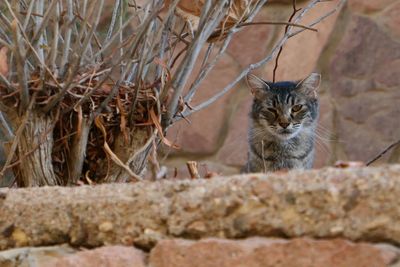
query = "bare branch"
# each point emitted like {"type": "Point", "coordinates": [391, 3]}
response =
{"type": "Point", "coordinates": [383, 152]}
{"type": "Point", "coordinates": [315, 22]}
{"type": "Point", "coordinates": [67, 38]}
{"type": "Point", "coordinates": [205, 29]}
{"type": "Point", "coordinates": [19, 52]}
{"type": "Point", "coordinates": [256, 65]}
{"type": "Point", "coordinates": [56, 98]}
{"type": "Point", "coordinates": [117, 7]}
{"type": "Point", "coordinates": [17, 136]}
{"type": "Point", "coordinates": [29, 14]}
{"type": "Point", "coordinates": [54, 47]}
{"type": "Point", "coordinates": [5, 128]}
{"type": "Point", "coordinates": [278, 23]}
{"type": "Point", "coordinates": [295, 10]}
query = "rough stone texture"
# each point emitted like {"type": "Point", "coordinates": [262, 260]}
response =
{"type": "Point", "coordinates": [357, 52]}
{"type": "Point", "coordinates": [300, 54]}
{"type": "Point", "coordinates": [363, 119]}
{"type": "Point", "coordinates": [391, 20]}
{"type": "Point", "coordinates": [210, 252]}
{"type": "Point", "coordinates": [249, 45]}
{"type": "Point", "coordinates": [234, 151]}
{"type": "Point", "coordinates": [255, 252]}
{"type": "Point", "coordinates": [357, 204]}
{"type": "Point", "coordinates": [112, 256]}
{"type": "Point", "coordinates": [65, 256]}
{"type": "Point", "coordinates": [206, 126]}
{"type": "Point", "coordinates": [369, 6]}
{"type": "Point", "coordinates": [33, 257]}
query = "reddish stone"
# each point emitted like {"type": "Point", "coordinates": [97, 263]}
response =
{"type": "Point", "coordinates": [234, 150]}
{"type": "Point", "coordinates": [369, 6]}
{"type": "Point", "coordinates": [391, 20]}
{"type": "Point", "coordinates": [115, 256]}
{"type": "Point", "coordinates": [366, 125]}
{"type": "Point", "coordinates": [202, 135]}
{"type": "Point", "coordinates": [356, 60]}
{"type": "Point", "coordinates": [301, 53]}
{"type": "Point", "coordinates": [388, 75]}
{"type": "Point", "coordinates": [250, 44]}
{"type": "Point", "coordinates": [363, 84]}
{"type": "Point", "coordinates": [255, 252]}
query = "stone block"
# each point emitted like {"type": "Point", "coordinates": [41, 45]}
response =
{"type": "Point", "coordinates": [201, 136]}
{"type": "Point", "coordinates": [365, 89]}
{"type": "Point", "coordinates": [369, 6]}
{"type": "Point", "coordinates": [111, 256]}
{"type": "Point", "coordinates": [255, 252]}
{"type": "Point", "coordinates": [301, 53]}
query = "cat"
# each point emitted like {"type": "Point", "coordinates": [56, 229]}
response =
{"type": "Point", "coordinates": [283, 121]}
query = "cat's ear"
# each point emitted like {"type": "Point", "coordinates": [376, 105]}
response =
{"type": "Point", "coordinates": [257, 86]}
{"type": "Point", "coordinates": [309, 86]}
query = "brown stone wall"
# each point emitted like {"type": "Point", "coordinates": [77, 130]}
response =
{"type": "Point", "coordinates": [331, 217]}
{"type": "Point", "coordinates": [357, 50]}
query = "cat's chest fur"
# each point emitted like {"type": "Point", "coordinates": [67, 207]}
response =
{"type": "Point", "coordinates": [272, 155]}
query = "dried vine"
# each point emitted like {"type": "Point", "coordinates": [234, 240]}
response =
{"type": "Point", "coordinates": [108, 97]}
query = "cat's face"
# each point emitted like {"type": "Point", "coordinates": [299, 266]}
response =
{"type": "Point", "coordinates": [284, 109]}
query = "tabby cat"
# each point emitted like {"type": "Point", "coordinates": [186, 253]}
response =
{"type": "Point", "coordinates": [283, 122]}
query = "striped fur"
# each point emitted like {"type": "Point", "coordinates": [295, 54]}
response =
{"type": "Point", "coordinates": [283, 122]}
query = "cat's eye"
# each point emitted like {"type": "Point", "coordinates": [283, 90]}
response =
{"type": "Point", "coordinates": [297, 108]}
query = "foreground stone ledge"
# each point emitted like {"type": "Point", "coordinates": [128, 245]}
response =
{"type": "Point", "coordinates": [356, 204]}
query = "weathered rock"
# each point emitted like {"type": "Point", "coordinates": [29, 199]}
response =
{"type": "Point", "coordinates": [369, 6]}
{"type": "Point", "coordinates": [202, 135]}
{"type": "Point", "coordinates": [301, 53]}
{"type": "Point", "coordinates": [254, 252]}
{"type": "Point", "coordinates": [113, 256]}
{"type": "Point", "coordinates": [363, 83]}
{"type": "Point", "coordinates": [65, 256]}
{"type": "Point", "coordinates": [234, 150]}
{"type": "Point", "coordinates": [250, 44]}
{"type": "Point", "coordinates": [33, 257]}
{"type": "Point", "coordinates": [358, 204]}
{"type": "Point", "coordinates": [391, 20]}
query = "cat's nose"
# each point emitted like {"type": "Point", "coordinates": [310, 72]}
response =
{"type": "Point", "coordinates": [284, 124]}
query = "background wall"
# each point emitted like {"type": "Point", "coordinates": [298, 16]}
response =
{"type": "Point", "coordinates": [357, 51]}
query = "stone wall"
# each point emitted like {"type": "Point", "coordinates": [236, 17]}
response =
{"type": "Point", "coordinates": [321, 218]}
{"type": "Point", "coordinates": [213, 252]}
{"type": "Point", "coordinates": [358, 53]}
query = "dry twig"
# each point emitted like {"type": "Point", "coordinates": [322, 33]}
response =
{"type": "Point", "coordinates": [383, 152]}
{"type": "Point", "coordinates": [193, 170]}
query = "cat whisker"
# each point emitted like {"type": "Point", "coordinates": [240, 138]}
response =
{"type": "Point", "coordinates": [328, 137]}
{"type": "Point", "coordinates": [323, 147]}
{"type": "Point", "coordinates": [324, 131]}
{"type": "Point", "coordinates": [323, 139]}
{"type": "Point", "coordinates": [257, 133]}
